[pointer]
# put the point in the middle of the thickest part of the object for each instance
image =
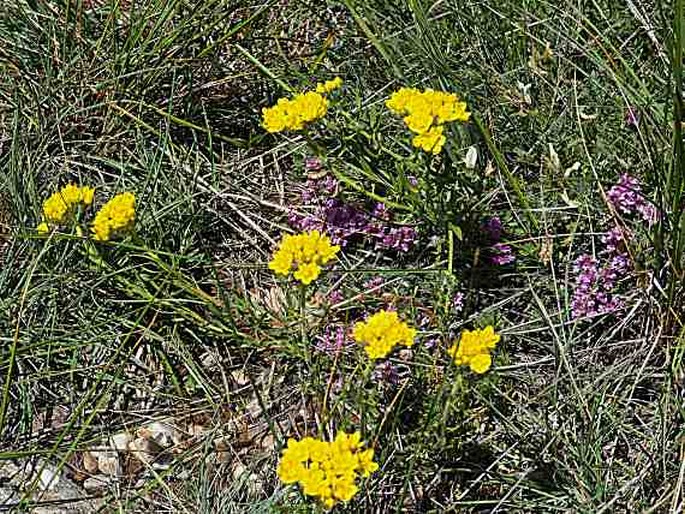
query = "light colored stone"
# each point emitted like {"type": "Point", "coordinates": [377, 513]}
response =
{"type": "Point", "coordinates": [268, 442]}
{"type": "Point", "coordinates": [108, 463]}
{"type": "Point", "coordinates": [96, 483]}
{"type": "Point", "coordinates": [90, 462]}
{"type": "Point", "coordinates": [163, 433]}
{"type": "Point", "coordinates": [49, 478]}
{"type": "Point", "coordinates": [120, 441]}
{"type": "Point", "coordinates": [144, 449]}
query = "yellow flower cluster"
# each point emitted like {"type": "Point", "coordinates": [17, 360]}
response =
{"type": "Point", "coordinates": [60, 205]}
{"type": "Point", "coordinates": [473, 349]}
{"type": "Point", "coordinates": [305, 254]}
{"type": "Point", "coordinates": [116, 216]}
{"type": "Point", "coordinates": [295, 113]}
{"type": "Point", "coordinates": [382, 332]}
{"type": "Point", "coordinates": [327, 470]}
{"type": "Point", "coordinates": [329, 86]}
{"type": "Point", "coordinates": [425, 113]}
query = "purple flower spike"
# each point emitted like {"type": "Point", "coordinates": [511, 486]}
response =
{"type": "Point", "coordinates": [345, 222]}
{"type": "Point", "coordinates": [458, 302]}
{"type": "Point", "coordinates": [493, 229]}
{"type": "Point", "coordinates": [335, 296]}
{"type": "Point", "coordinates": [594, 291]}
{"type": "Point", "coordinates": [503, 254]}
{"type": "Point", "coordinates": [626, 197]}
{"type": "Point", "coordinates": [312, 164]}
{"type": "Point", "coordinates": [373, 282]}
{"type": "Point", "coordinates": [381, 212]}
{"type": "Point", "coordinates": [333, 340]}
{"type": "Point", "coordinates": [386, 372]}
{"type": "Point", "coordinates": [399, 238]}
{"type": "Point", "coordinates": [613, 240]}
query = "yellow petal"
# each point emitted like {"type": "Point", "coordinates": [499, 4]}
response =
{"type": "Point", "coordinates": [481, 363]}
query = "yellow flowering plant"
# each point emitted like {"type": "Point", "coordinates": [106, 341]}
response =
{"type": "Point", "coordinates": [304, 255]}
{"type": "Point", "coordinates": [59, 207]}
{"type": "Point", "coordinates": [425, 113]}
{"type": "Point", "coordinates": [329, 86]}
{"type": "Point", "coordinates": [115, 217]}
{"type": "Point", "coordinates": [327, 471]}
{"type": "Point", "coordinates": [298, 112]}
{"type": "Point", "coordinates": [382, 332]}
{"type": "Point", "coordinates": [473, 349]}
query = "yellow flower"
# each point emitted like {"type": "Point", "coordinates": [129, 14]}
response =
{"type": "Point", "coordinates": [430, 141]}
{"type": "Point", "coordinates": [304, 254]}
{"type": "Point", "coordinates": [366, 463]}
{"type": "Point", "coordinates": [327, 471]}
{"type": "Point", "coordinates": [382, 332]}
{"type": "Point", "coordinates": [399, 100]}
{"type": "Point", "coordinates": [313, 482]}
{"type": "Point", "coordinates": [480, 363]}
{"type": "Point", "coordinates": [87, 194]}
{"type": "Point", "coordinates": [348, 441]}
{"type": "Point", "coordinates": [281, 263]}
{"type": "Point", "coordinates": [329, 86]}
{"type": "Point", "coordinates": [425, 113]}
{"type": "Point", "coordinates": [291, 470]}
{"type": "Point", "coordinates": [55, 208]}
{"type": "Point", "coordinates": [419, 121]}
{"type": "Point", "coordinates": [274, 118]}
{"type": "Point", "coordinates": [71, 194]}
{"type": "Point", "coordinates": [473, 349]}
{"type": "Point", "coordinates": [115, 217]}
{"type": "Point", "coordinates": [344, 490]}
{"type": "Point", "coordinates": [61, 204]}
{"type": "Point", "coordinates": [295, 113]}
{"type": "Point", "coordinates": [452, 110]}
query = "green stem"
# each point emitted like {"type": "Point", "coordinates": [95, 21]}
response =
{"type": "Point", "coordinates": [508, 175]}
{"type": "Point", "coordinates": [676, 175]}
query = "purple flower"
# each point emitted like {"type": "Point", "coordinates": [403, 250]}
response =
{"type": "Point", "coordinates": [649, 213]}
{"type": "Point", "coordinates": [594, 291]}
{"type": "Point", "coordinates": [312, 164]}
{"type": "Point", "coordinates": [493, 229]}
{"type": "Point", "coordinates": [328, 185]}
{"type": "Point", "coordinates": [386, 372]}
{"type": "Point", "coordinates": [620, 263]}
{"type": "Point", "coordinates": [333, 340]}
{"type": "Point", "coordinates": [305, 222]}
{"type": "Point", "coordinates": [343, 221]}
{"type": "Point", "coordinates": [413, 181]}
{"type": "Point", "coordinates": [431, 343]}
{"type": "Point", "coordinates": [335, 296]}
{"type": "Point", "coordinates": [458, 302]}
{"type": "Point", "coordinates": [316, 190]}
{"type": "Point", "coordinates": [381, 212]}
{"type": "Point", "coordinates": [502, 254]}
{"type": "Point", "coordinates": [626, 197]}
{"type": "Point", "coordinates": [613, 240]}
{"type": "Point", "coordinates": [373, 282]}
{"type": "Point", "coordinates": [398, 238]}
